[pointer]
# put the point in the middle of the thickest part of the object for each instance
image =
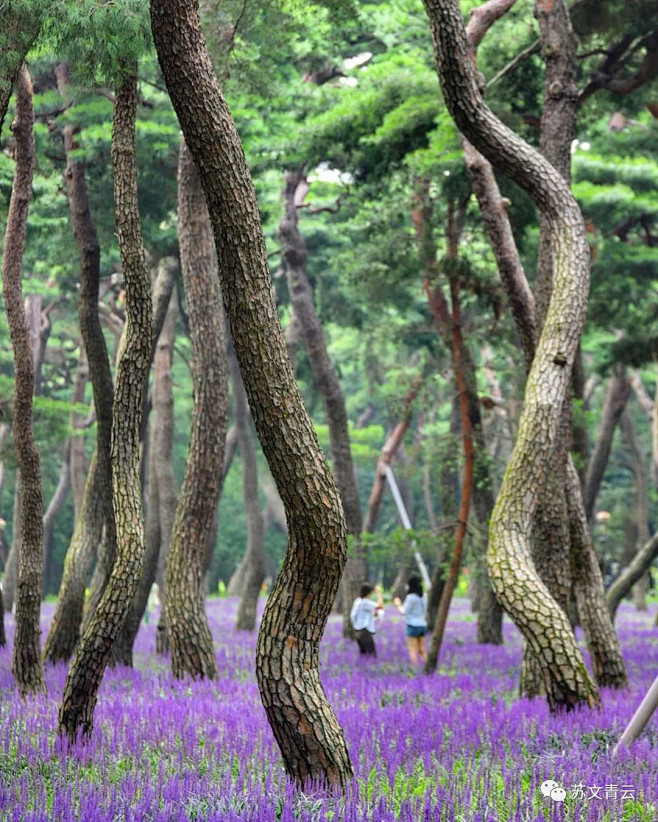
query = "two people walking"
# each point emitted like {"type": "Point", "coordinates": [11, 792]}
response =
{"type": "Point", "coordinates": [366, 616]}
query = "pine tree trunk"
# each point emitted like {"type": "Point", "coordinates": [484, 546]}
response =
{"type": "Point", "coordinates": [77, 439]}
{"type": "Point", "coordinates": [294, 256]}
{"type": "Point", "coordinates": [95, 648]}
{"type": "Point", "coordinates": [304, 725]}
{"type": "Point", "coordinates": [19, 27]}
{"type": "Point", "coordinates": [192, 652]}
{"type": "Point", "coordinates": [514, 580]}
{"type": "Point", "coordinates": [254, 559]}
{"type": "Point", "coordinates": [64, 631]}
{"type": "Point", "coordinates": [619, 389]}
{"type": "Point", "coordinates": [163, 412]}
{"type": "Point", "coordinates": [158, 523]}
{"type": "Point", "coordinates": [641, 507]}
{"type": "Point", "coordinates": [27, 666]}
{"type": "Point", "coordinates": [4, 430]}
{"type": "Point", "coordinates": [55, 505]}
{"type": "Point", "coordinates": [86, 239]}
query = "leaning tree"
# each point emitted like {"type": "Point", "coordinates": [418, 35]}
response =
{"type": "Point", "coordinates": [305, 726]}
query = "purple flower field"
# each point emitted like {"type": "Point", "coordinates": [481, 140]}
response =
{"type": "Point", "coordinates": [456, 746]}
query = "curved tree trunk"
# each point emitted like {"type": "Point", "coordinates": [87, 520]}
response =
{"type": "Point", "coordinates": [254, 560]}
{"type": "Point", "coordinates": [64, 630]}
{"type": "Point", "coordinates": [99, 365]}
{"type": "Point", "coordinates": [305, 727]}
{"type": "Point", "coordinates": [95, 648]}
{"type": "Point", "coordinates": [55, 505]}
{"type": "Point", "coordinates": [158, 523]}
{"type": "Point", "coordinates": [27, 666]}
{"type": "Point", "coordinates": [294, 255]}
{"type": "Point", "coordinates": [514, 579]}
{"type": "Point", "coordinates": [192, 652]}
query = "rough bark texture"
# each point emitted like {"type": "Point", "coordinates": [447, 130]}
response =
{"type": "Point", "coordinates": [77, 440]}
{"type": "Point", "coordinates": [294, 256]}
{"type": "Point", "coordinates": [19, 29]}
{"type": "Point", "coordinates": [86, 239]}
{"type": "Point", "coordinates": [26, 665]}
{"type": "Point", "coordinates": [160, 512]}
{"type": "Point", "coordinates": [305, 727]}
{"type": "Point", "coordinates": [64, 631]}
{"type": "Point", "coordinates": [93, 652]}
{"type": "Point", "coordinates": [619, 390]}
{"type": "Point", "coordinates": [254, 560]}
{"type": "Point", "coordinates": [192, 652]}
{"type": "Point", "coordinates": [514, 579]}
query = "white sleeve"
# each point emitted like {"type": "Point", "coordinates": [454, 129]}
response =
{"type": "Point", "coordinates": [406, 605]}
{"type": "Point", "coordinates": [354, 611]}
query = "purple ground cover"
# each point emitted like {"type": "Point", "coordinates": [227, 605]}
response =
{"type": "Point", "coordinates": [456, 746]}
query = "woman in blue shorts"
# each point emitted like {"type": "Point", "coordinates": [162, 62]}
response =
{"type": "Point", "coordinates": [413, 609]}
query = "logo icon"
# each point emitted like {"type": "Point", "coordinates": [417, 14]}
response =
{"type": "Point", "coordinates": [553, 790]}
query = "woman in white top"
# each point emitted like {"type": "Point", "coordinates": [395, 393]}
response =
{"type": "Point", "coordinates": [413, 609]}
{"type": "Point", "coordinates": [364, 617]}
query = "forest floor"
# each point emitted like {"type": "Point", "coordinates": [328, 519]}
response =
{"type": "Point", "coordinates": [456, 747]}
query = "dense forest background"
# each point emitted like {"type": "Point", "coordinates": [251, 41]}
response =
{"type": "Point", "coordinates": [351, 97]}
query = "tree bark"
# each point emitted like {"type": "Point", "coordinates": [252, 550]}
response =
{"type": "Point", "coordinates": [161, 503]}
{"type": "Point", "coordinates": [86, 239]}
{"type": "Point", "coordinates": [19, 29]}
{"type": "Point", "coordinates": [254, 560]}
{"type": "Point", "coordinates": [295, 255]}
{"type": "Point", "coordinates": [619, 390]}
{"type": "Point", "coordinates": [452, 576]}
{"type": "Point", "coordinates": [55, 505]}
{"type": "Point", "coordinates": [304, 725]}
{"type": "Point", "coordinates": [163, 412]}
{"type": "Point", "coordinates": [4, 430]}
{"type": "Point", "coordinates": [641, 506]}
{"type": "Point", "coordinates": [93, 652]}
{"type": "Point", "coordinates": [77, 439]}
{"type": "Point", "coordinates": [192, 652]}
{"type": "Point", "coordinates": [514, 579]}
{"type": "Point", "coordinates": [26, 666]}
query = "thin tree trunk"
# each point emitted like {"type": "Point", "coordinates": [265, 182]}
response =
{"type": "Point", "coordinates": [515, 581]}
{"type": "Point", "coordinates": [192, 652]}
{"type": "Point", "coordinates": [627, 579]}
{"type": "Point", "coordinates": [163, 412]}
{"type": "Point", "coordinates": [385, 457]}
{"type": "Point", "coordinates": [304, 725]}
{"type": "Point", "coordinates": [95, 648]}
{"type": "Point", "coordinates": [10, 577]}
{"type": "Point", "coordinates": [77, 439]}
{"type": "Point", "coordinates": [254, 559]}
{"type": "Point", "coordinates": [4, 430]}
{"type": "Point", "coordinates": [619, 390]}
{"type": "Point", "coordinates": [55, 505]}
{"type": "Point", "coordinates": [86, 239]}
{"type": "Point", "coordinates": [641, 507]}
{"type": "Point", "coordinates": [469, 464]}
{"type": "Point", "coordinates": [324, 376]}
{"type": "Point", "coordinates": [27, 666]}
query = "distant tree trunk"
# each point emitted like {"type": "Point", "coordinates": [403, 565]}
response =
{"type": "Point", "coordinates": [163, 412]}
{"type": "Point", "coordinates": [192, 652]}
{"type": "Point", "coordinates": [619, 390]}
{"type": "Point", "coordinates": [95, 648]}
{"type": "Point", "coordinates": [515, 582]}
{"type": "Point", "coordinates": [27, 666]}
{"type": "Point", "coordinates": [641, 506]}
{"type": "Point", "coordinates": [4, 430]}
{"type": "Point", "coordinates": [86, 239]}
{"type": "Point", "coordinates": [295, 255]}
{"type": "Point", "coordinates": [76, 439]}
{"type": "Point", "coordinates": [387, 454]}
{"type": "Point", "coordinates": [254, 560]}
{"type": "Point", "coordinates": [304, 725]}
{"type": "Point", "coordinates": [55, 505]}
{"type": "Point", "coordinates": [10, 577]}
{"type": "Point", "coordinates": [452, 576]}
{"type": "Point", "coordinates": [640, 564]}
